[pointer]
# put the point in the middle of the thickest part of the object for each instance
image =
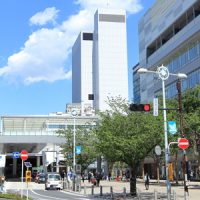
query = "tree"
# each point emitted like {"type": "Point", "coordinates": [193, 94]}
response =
{"type": "Point", "coordinates": [122, 136]}
{"type": "Point", "coordinates": [85, 139]}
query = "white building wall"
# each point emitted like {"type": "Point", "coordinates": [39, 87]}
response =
{"type": "Point", "coordinates": [82, 70]}
{"type": "Point", "coordinates": [86, 71]}
{"type": "Point", "coordinates": [76, 71]}
{"type": "Point", "coordinates": [110, 67]}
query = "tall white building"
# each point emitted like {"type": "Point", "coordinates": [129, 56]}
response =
{"type": "Point", "coordinates": [82, 68]}
{"type": "Point", "coordinates": [110, 70]}
{"type": "Point", "coordinates": [105, 56]}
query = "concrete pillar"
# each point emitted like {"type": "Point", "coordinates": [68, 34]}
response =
{"type": "Point", "coordinates": [38, 161]}
{"type": "Point", "coordinates": [14, 167]}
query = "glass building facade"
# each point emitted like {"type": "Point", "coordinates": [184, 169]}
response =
{"type": "Point", "coordinates": [169, 35]}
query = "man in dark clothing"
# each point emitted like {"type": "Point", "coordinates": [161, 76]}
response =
{"type": "Point", "coordinates": [98, 178]}
{"type": "Point", "coordinates": [89, 177]}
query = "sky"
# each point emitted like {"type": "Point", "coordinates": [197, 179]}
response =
{"type": "Point", "coordinates": [36, 39]}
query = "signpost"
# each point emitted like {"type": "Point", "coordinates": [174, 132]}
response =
{"type": "Point", "coordinates": [155, 106]}
{"type": "Point", "coordinates": [183, 143]}
{"type": "Point", "coordinates": [24, 156]}
{"type": "Point", "coordinates": [78, 150]}
{"type": "Point", "coordinates": [16, 154]}
{"type": "Point", "coordinates": [172, 127]}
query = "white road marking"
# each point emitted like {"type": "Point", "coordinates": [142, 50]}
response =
{"type": "Point", "coordinates": [44, 195]}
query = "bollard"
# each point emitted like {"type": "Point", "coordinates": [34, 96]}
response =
{"type": "Point", "coordinates": [84, 189]}
{"type": "Point", "coordinates": [92, 189]}
{"type": "Point", "coordinates": [174, 195]}
{"type": "Point", "coordinates": [124, 192]}
{"type": "Point", "coordinates": [101, 190]}
{"type": "Point", "coordinates": [111, 192]}
{"type": "Point", "coordinates": [139, 194]}
{"type": "Point", "coordinates": [155, 195]}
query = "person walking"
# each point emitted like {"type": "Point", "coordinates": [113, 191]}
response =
{"type": "Point", "coordinates": [98, 178]}
{"type": "Point", "coordinates": [146, 181]}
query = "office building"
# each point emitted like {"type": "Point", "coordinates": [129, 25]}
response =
{"type": "Point", "coordinates": [169, 34]}
{"type": "Point", "coordinates": [110, 70]}
{"type": "Point", "coordinates": [106, 51]}
{"type": "Point", "coordinates": [82, 69]}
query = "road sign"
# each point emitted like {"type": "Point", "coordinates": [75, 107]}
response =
{"type": "Point", "coordinates": [172, 127]}
{"type": "Point", "coordinates": [16, 154]}
{"type": "Point", "coordinates": [78, 150]}
{"type": "Point", "coordinates": [158, 150]}
{"type": "Point", "coordinates": [24, 155]}
{"type": "Point", "coordinates": [78, 169]}
{"type": "Point", "coordinates": [27, 164]}
{"type": "Point", "coordinates": [183, 143]}
{"type": "Point", "coordinates": [155, 106]}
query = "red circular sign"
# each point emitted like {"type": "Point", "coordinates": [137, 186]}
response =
{"type": "Point", "coordinates": [24, 155]}
{"type": "Point", "coordinates": [146, 107]}
{"type": "Point", "coordinates": [183, 143]}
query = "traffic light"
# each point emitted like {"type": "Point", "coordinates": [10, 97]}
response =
{"type": "Point", "coordinates": [28, 176]}
{"type": "Point", "coordinates": [140, 107]}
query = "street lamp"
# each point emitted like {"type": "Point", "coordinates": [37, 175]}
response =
{"type": "Point", "coordinates": [164, 74]}
{"type": "Point", "coordinates": [74, 114]}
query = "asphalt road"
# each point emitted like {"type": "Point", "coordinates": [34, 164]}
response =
{"type": "Point", "coordinates": [55, 195]}
{"type": "Point", "coordinates": [41, 194]}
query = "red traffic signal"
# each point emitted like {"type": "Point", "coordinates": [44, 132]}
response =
{"type": "Point", "coordinates": [140, 107]}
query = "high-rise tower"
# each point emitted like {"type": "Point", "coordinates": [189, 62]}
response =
{"type": "Point", "coordinates": [110, 70]}
{"type": "Point", "coordinates": [99, 60]}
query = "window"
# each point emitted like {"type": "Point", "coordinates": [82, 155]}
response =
{"type": "Point", "coordinates": [87, 36]}
{"type": "Point", "coordinates": [193, 52]}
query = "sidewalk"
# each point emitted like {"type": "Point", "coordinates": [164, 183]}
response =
{"type": "Point", "coordinates": [120, 187]}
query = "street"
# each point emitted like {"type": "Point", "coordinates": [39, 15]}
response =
{"type": "Point", "coordinates": [37, 191]}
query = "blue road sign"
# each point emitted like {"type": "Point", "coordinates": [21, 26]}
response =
{"type": "Point", "coordinates": [78, 149]}
{"type": "Point", "coordinates": [172, 127]}
{"type": "Point", "coordinates": [16, 154]}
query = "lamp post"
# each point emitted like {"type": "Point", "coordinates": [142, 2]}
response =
{"type": "Point", "coordinates": [164, 74]}
{"type": "Point", "coordinates": [74, 114]}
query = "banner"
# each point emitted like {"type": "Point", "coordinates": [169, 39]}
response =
{"type": "Point", "coordinates": [2, 160]}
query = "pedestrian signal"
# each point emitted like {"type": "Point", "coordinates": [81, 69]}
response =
{"type": "Point", "coordinates": [28, 176]}
{"type": "Point", "coordinates": [140, 107]}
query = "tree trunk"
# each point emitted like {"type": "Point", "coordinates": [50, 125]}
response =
{"type": "Point", "coordinates": [133, 188]}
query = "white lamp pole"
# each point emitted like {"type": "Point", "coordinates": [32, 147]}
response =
{"type": "Point", "coordinates": [74, 114]}
{"type": "Point", "coordinates": [163, 74]}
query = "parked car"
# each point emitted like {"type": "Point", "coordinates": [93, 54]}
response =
{"type": "Point", "coordinates": [41, 178]}
{"type": "Point", "coordinates": [53, 181]}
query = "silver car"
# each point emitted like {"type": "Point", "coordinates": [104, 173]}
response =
{"type": "Point", "coordinates": [53, 181]}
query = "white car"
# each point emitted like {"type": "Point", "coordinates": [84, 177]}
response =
{"type": "Point", "coordinates": [53, 181]}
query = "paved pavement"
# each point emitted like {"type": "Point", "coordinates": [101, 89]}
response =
{"type": "Point", "coordinates": [120, 187]}
{"type": "Point", "coordinates": [154, 189]}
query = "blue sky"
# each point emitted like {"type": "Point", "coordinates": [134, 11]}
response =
{"type": "Point", "coordinates": [35, 49]}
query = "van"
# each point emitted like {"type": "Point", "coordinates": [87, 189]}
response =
{"type": "Point", "coordinates": [53, 181]}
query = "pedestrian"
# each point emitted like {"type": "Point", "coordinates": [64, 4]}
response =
{"type": "Point", "coordinates": [89, 176]}
{"type": "Point", "coordinates": [146, 180]}
{"type": "Point", "coordinates": [98, 178]}
{"type": "Point", "coordinates": [62, 174]}
{"type": "Point", "coordinates": [109, 176]}
{"type": "Point", "coordinates": [83, 177]}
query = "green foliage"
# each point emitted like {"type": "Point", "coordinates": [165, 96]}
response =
{"type": "Point", "coordinates": [13, 196]}
{"type": "Point", "coordinates": [84, 138]}
{"type": "Point", "coordinates": [121, 134]}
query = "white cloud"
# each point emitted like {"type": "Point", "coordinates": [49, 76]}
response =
{"type": "Point", "coordinates": [131, 6]}
{"type": "Point", "coordinates": [44, 55]}
{"type": "Point", "coordinates": [41, 18]}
